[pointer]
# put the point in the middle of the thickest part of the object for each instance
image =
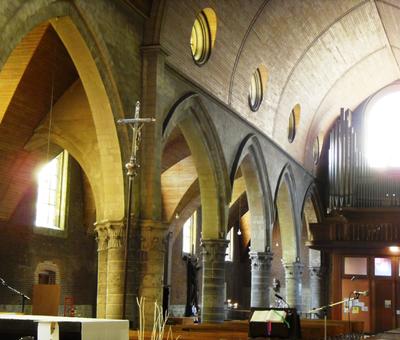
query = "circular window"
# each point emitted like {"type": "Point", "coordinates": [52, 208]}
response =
{"type": "Point", "coordinates": [257, 87]}
{"type": "Point", "coordinates": [294, 120]}
{"type": "Point", "coordinates": [203, 35]}
{"type": "Point", "coordinates": [315, 150]}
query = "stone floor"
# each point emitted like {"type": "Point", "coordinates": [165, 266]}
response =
{"type": "Point", "coordinates": [393, 334]}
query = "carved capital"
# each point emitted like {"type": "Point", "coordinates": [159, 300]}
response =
{"type": "Point", "coordinates": [153, 235]}
{"type": "Point", "coordinates": [116, 234]}
{"type": "Point", "coordinates": [317, 272]}
{"type": "Point", "coordinates": [214, 250]}
{"type": "Point", "coordinates": [260, 261]}
{"type": "Point", "coordinates": [101, 236]}
{"type": "Point", "coordinates": [293, 270]}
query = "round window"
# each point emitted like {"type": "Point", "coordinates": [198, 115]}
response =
{"type": "Point", "coordinates": [203, 36]}
{"type": "Point", "coordinates": [257, 87]}
{"type": "Point", "coordinates": [315, 150]}
{"type": "Point", "coordinates": [294, 120]}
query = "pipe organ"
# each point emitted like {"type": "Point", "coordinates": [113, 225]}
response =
{"type": "Point", "coordinates": [352, 182]}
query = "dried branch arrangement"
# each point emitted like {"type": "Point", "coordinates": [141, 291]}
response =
{"type": "Point", "coordinates": [159, 322]}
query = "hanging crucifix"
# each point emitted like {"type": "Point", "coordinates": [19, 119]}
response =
{"type": "Point", "coordinates": [132, 167]}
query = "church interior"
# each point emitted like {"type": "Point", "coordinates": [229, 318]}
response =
{"type": "Point", "coordinates": [207, 157]}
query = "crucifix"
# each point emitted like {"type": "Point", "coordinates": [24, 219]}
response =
{"type": "Point", "coordinates": [132, 167]}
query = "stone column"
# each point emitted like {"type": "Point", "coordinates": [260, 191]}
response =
{"type": "Point", "coordinates": [115, 270]}
{"type": "Point", "coordinates": [316, 289]}
{"type": "Point", "coordinates": [293, 275]}
{"type": "Point", "coordinates": [102, 244]}
{"type": "Point", "coordinates": [260, 278]}
{"type": "Point", "coordinates": [151, 262]}
{"type": "Point", "coordinates": [213, 260]}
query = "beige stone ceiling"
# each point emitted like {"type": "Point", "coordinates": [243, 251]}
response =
{"type": "Point", "coordinates": [322, 54]}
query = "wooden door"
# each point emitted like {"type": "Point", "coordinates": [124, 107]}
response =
{"type": "Point", "coordinates": [384, 305]}
{"type": "Point", "coordinates": [361, 311]}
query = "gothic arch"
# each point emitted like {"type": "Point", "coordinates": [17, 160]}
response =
{"type": "Point", "coordinates": [91, 59]}
{"type": "Point", "coordinates": [252, 163]}
{"type": "Point", "coordinates": [289, 221]}
{"type": "Point", "coordinates": [189, 114]}
{"type": "Point", "coordinates": [313, 202]}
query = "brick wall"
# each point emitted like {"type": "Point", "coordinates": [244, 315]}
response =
{"type": "Point", "coordinates": [21, 249]}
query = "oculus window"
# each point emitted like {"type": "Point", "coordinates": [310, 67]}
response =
{"type": "Point", "coordinates": [294, 120]}
{"type": "Point", "coordinates": [257, 87]}
{"type": "Point", "coordinates": [203, 35]}
{"type": "Point", "coordinates": [315, 150]}
{"type": "Point", "coordinates": [52, 188]}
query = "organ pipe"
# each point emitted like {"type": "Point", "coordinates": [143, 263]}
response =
{"type": "Point", "coordinates": [352, 183]}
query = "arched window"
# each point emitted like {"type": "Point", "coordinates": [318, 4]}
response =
{"type": "Point", "coordinates": [189, 235]}
{"type": "Point", "coordinates": [51, 198]}
{"type": "Point", "coordinates": [382, 129]}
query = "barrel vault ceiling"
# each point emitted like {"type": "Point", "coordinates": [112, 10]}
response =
{"type": "Point", "coordinates": [321, 54]}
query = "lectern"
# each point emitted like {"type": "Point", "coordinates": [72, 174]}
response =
{"type": "Point", "coordinates": [281, 323]}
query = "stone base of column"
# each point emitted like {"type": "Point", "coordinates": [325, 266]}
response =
{"type": "Point", "coordinates": [213, 259]}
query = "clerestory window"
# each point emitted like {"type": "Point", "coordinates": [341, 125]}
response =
{"type": "Point", "coordinates": [51, 198]}
{"type": "Point", "coordinates": [189, 235]}
{"type": "Point", "coordinates": [382, 125]}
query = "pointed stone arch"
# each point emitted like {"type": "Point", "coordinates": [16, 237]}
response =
{"type": "Point", "coordinates": [191, 117]}
{"type": "Point", "coordinates": [90, 57]}
{"type": "Point", "coordinates": [251, 160]}
{"type": "Point", "coordinates": [289, 221]}
{"type": "Point", "coordinates": [312, 213]}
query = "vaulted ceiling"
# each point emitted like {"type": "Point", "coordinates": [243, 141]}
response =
{"type": "Point", "coordinates": [321, 54]}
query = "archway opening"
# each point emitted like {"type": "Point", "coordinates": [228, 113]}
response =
{"type": "Point", "coordinates": [46, 109]}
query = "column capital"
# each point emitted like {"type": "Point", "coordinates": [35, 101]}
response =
{"type": "Point", "coordinates": [294, 269]}
{"type": "Point", "coordinates": [260, 260]}
{"type": "Point", "coordinates": [116, 233]}
{"type": "Point", "coordinates": [101, 233]}
{"type": "Point", "coordinates": [317, 271]}
{"type": "Point", "coordinates": [214, 248]}
{"type": "Point", "coordinates": [152, 235]}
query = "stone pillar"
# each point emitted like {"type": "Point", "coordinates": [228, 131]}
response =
{"type": "Point", "coordinates": [316, 288]}
{"type": "Point", "coordinates": [115, 270]}
{"type": "Point", "coordinates": [293, 275]}
{"type": "Point", "coordinates": [260, 278]}
{"type": "Point", "coordinates": [102, 244]}
{"type": "Point", "coordinates": [213, 258]}
{"type": "Point", "coordinates": [151, 262]}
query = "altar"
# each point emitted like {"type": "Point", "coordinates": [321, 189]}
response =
{"type": "Point", "coordinates": [62, 328]}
